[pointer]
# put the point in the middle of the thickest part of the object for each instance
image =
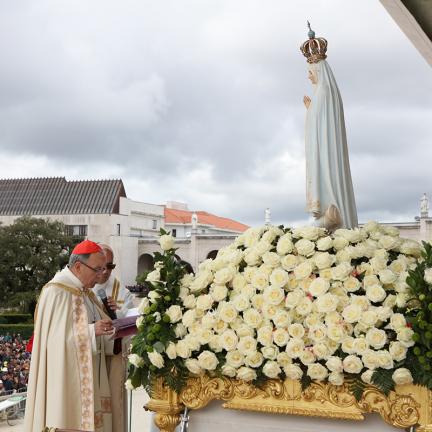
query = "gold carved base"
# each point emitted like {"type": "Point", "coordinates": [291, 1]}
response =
{"type": "Point", "coordinates": [407, 406]}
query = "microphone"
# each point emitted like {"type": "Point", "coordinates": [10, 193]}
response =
{"type": "Point", "coordinates": [102, 295]}
{"type": "Point", "coordinates": [111, 313]}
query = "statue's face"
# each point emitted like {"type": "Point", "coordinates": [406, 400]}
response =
{"type": "Point", "coordinates": [312, 76]}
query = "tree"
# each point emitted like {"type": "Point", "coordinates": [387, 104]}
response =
{"type": "Point", "coordinates": [32, 250]}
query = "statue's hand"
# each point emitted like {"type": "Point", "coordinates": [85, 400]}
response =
{"type": "Point", "coordinates": [307, 101]}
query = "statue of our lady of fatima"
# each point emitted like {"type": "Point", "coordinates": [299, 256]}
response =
{"type": "Point", "coordinates": [329, 189]}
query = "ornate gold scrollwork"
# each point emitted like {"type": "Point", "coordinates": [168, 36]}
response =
{"type": "Point", "coordinates": [406, 407]}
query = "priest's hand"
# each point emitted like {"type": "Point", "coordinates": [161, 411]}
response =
{"type": "Point", "coordinates": [307, 101]}
{"type": "Point", "coordinates": [103, 327]}
{"type": "Point", "coordinates": [113, 304]}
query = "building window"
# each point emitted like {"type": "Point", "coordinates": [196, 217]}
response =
{"type": "Point", "coordinates": [154, 226]}
{"type": "Point", "coordinates": [174, 232]}
{"type": "Point", "coordinates": [118, 229]}
{"type": "Point", "coordinates": [76, 230]}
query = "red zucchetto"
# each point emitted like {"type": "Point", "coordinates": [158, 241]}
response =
{"type": "Point", "coordinates": [86, 247]}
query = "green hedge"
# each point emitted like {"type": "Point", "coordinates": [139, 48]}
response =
{"type": "Point", "coordinates": [26, 330]}
{"type": "Point", "coordinates": [15, 318]}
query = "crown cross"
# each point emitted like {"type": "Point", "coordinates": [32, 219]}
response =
{"type": "Point", "coordinates": [314, 49]}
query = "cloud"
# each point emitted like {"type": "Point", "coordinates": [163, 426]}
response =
{"type": "Point", "coordinates": [201, 101]}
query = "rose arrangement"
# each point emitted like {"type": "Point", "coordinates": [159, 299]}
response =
{"type": "Point", "coordinates": [283, 303]}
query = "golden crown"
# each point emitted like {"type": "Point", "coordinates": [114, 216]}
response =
{"type": "Point", "coordinates": [314, 49]}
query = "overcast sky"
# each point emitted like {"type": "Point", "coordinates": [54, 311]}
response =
{"type": "Point", "coordinates": [200, 101]}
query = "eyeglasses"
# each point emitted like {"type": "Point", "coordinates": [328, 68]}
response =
{"type": "Point", "coordinates": [110, 266]}
{"type": "Point", "coordinates": [96, 270]}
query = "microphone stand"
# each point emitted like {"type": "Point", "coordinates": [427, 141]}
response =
{"type": "Point", "coordinates": [184, 423]}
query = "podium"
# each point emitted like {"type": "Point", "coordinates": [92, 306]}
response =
{"type": "Point", "coordinates": [407, 406]}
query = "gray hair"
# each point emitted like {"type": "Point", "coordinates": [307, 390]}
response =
{"type": "Point", "coordinates": [75, 258]}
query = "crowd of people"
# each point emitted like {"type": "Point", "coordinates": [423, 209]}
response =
{"type": "Point", "coordinates": [14, 364]}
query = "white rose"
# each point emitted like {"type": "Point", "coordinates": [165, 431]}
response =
{"type": "Point", "coordinates": [183, 350]}
{"type": "Point", "coordinates": [189, 317]}
{"type": "Point", "coordinates": [229, 340]}
{"type": "Point", "coordinates": [166, 242]}
{"type": "Point", "coordinates": [385, 359]}
{"type": "Point", "coordinates": [344, 255]}
{"type": "Point", "coordinates": [269, 310]}
{"type": "Point", "coordinates": [352, 284]}
{"type": "Point", "coordinates": [272, 259]}
{"type": "Point", "coordinates": [327, 303]}
{"type": "Point", "coordinates": [295, 347]}
{"type": "Point", "coordinates": [238, 282]}
{"type": "Point", "coordinates": [296, 330]}
{"type": "Point", "coordinates": [251, 257]}
{"type": "Point", "coordinates": [215, 343]}
{"type": "Point", "coordinates": [341, 271]}
{"type": "Point", "coordinates": [336, 332]}
{"type": "Point", "coordinates": [153, 296]}
{"type": "Point", "coordinates": [317, 333]}
{"type": "Point", "coordinates": [204, 302]}
{"type": "Point", "coordinates": [428, 275]}
{"type": "Point", "coordinates": [323, 260]}
{"type": "Point", "coordinates": [369, 318]}
{"type": "Point", "coordinates": [247, 345]}
{"type": "Point", "coordinates": [227, 312]}
{"type": "Point", "coordinates": [404, 335]}
{"type": "Point", "coordinates": [279, 277]}
{"type": "Point", "coordinates": [218, 292]}
{"type": "Point", "coordinates": [376, 293]}
{"type": "Point", "coordinates": [284, 245]}
{"type": "Point", "coordinates": [397, 351]}
{"type": "Point", "coordinates": [334, 364]}
{"type": "Point", "coordinates": [388, 242]}
{"type": "Point", "coordinates": [156, 359]}
{"type": "Point", "coordinates": [136, 360]}
{"type": "Point", "coordinates": [397, 321]}
{"type": "Point", "coordinates": [307, 357]}
{"type": "Point", "coordinates": [139, 321]}
{"type": "Point", "coordinates": [319, 286]}
{"type": "Point", "coordinates": [273, 295]}
{"type": "Point", "coordinates": [387, 276]}
{"type": "Point", "coordinates": [376, 338]}
{"type": "Point", "coordinates": [367, 376]}
{"type": "Point", "coordinates": [410, 247]}
{"type": "Point", "coordinates": [317, 371]}
{"type": "Point", "coordinates": [289, 262]}
{"type": "Point", "coordinates": [378, 263]}
{"type": "Point", "coordinates": [280, 337]}
{"type": "Point", "coordinates": [402, 376]}
{"type": "Point", "coordinates": [252, 318]}
{"type": "Point", "coordinates": [352, 364]}
{"type": "Point", "coordinates": [259, 280]}
{"type": "Point", "coordinates": [305, 247]}
{"type": "Point", "coordinates": [281, 319]}
{"type": "Point", "coordinates": [145, 302]}
{"type": "Point", "coordinates": [246, 374]}
{"type": "Point", "coordinates": [265, 335]}
{"type": "Point", "coordinates": [229, 371]}
{"type": "Point", "coordinates": [324, 243]}
{"type": "Point", "coordinates": [171, 351]}
{"type": "Point", "coordinates": [180, 330]}
{"type": "Point", "coordinates": [254, 360]}
{"type": "Point", "coordinates": [304, 307]}
{"type": "Point", "coordinates": [174, 312]}
{"type": "Point", "coordinates": [336, 378]}
{"type": "Point", "coordinates": [283, 359]}
{"type": "Point", "coordinates": [322, 350]}
{"type": "Point", "coordinates": [271, 369]}
{"type": "Point", "coordinates": [194, 367]}
{"type": "Point", "coordinates": [348, 345]}
{"type": "Point", "coordinates": [370, 359]}
{"type": "Point", "coordinates": [360, 345]}
{"type": "Point", "coordinates": [293, 372]}
{"type": "Point", "coordinates": [207, 360]}
{"type": "Point", "coordinates": [352, 313]}
{"type": "Point", "coordinates": [293, 298]}
{"type": "Point", "coordinates": [224, 275]}
{"type": "Point", "coordinates": [189, 301]}
{"type": "Point", "coordinates": [201, 281]}
{"type": "Point", "coordinates": [340, 243]}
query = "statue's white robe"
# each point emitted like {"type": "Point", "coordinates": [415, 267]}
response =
{"type": "Point", "coordinates": [117, 364]}
{"type": "Point", "coordinates": [68, 383]}
{"type": "Point", "coordinates": [328, 174]}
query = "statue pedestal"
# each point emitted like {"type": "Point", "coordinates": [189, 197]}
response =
{"type": "Point", "coordinates": [407, 406]}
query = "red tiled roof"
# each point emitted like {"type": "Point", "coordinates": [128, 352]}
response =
{"type": "Point", "coordinates": [184, 217]}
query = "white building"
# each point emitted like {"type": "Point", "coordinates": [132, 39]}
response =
{"type": "Point", "coordinates": [100, 210]}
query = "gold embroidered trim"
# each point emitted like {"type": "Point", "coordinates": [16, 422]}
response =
{"type": "Point", "coordinates": [85, 368]}
{"type": "Point", "coordinates": [116, 289]}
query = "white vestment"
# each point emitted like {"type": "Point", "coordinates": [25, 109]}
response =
{"type": "Point", "coordinates": [328, 175]}
{"type": "Point", "coordinates": [117, 364]}
{"type": "Point", "coordinates": [68, 384]}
